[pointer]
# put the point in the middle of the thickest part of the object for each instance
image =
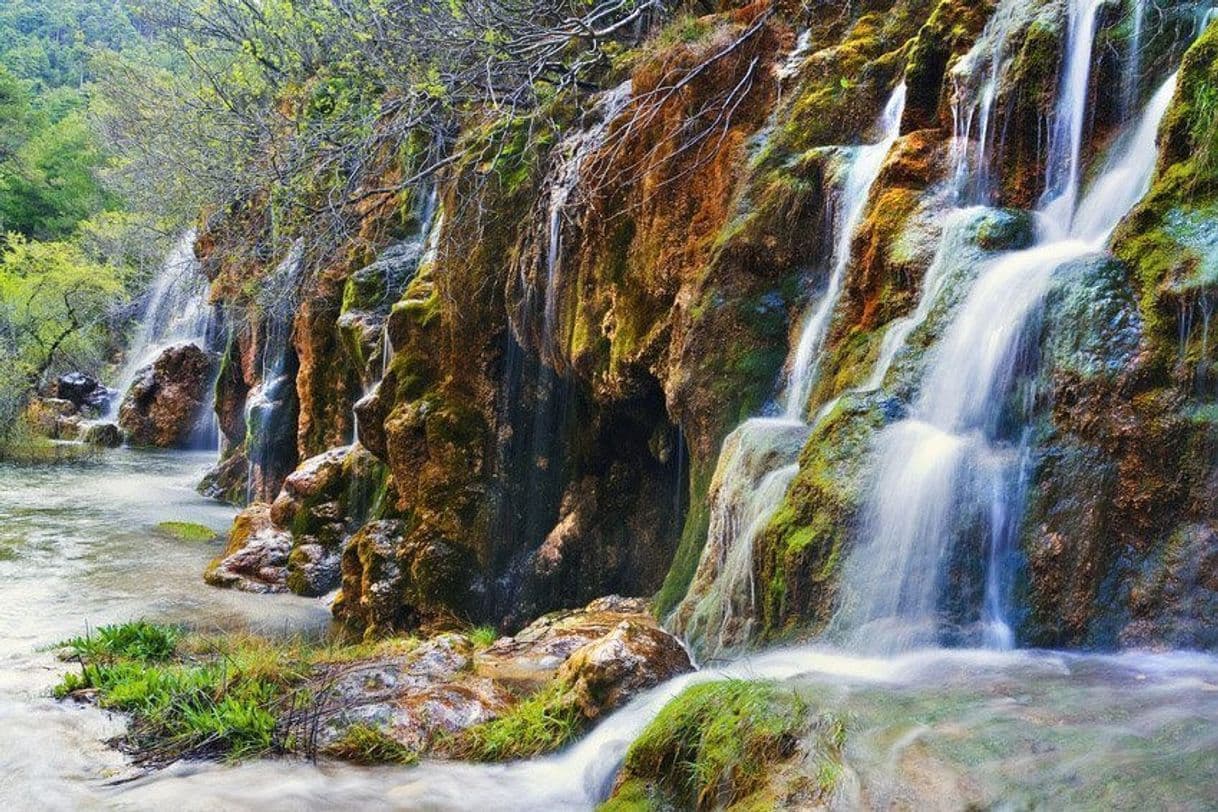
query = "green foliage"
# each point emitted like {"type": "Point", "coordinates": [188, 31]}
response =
{"type": "Point", "coordinates": [364, 744]}
{"type": "Point", "coordinates": [55, 305]}
{"type": "Point", "coordinates": [542, 723]}
{"type": "Point", "coordinates": [715, 744]}
{"type": "Point", "coordinates": [483, 636]}
{"type": "Point", "coordinates": [187, 695]}
{"type": "Point", "coordinates": [138, 640]}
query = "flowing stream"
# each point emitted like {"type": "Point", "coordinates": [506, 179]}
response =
{"type": "Point", "coordinates": [936, 729]}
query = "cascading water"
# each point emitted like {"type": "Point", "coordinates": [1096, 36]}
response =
{"type": "Point", "coordinates": [953, 471]}
{"type": "Point", "coordinates": [864, 168]}
{"type": "Point", "coordinates": [264, 405]}
{"type": "Point", "coordinates": [757, 462]}
{"type": "Point", "coordinates": [177, 311]}
{"type": "Point", "coordinates": [1063, 173]}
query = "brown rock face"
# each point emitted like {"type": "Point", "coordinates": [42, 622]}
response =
{"type": "Point", "coordinates": [163, 403]}
{"type": "Point", "coordinates": [608, 672]}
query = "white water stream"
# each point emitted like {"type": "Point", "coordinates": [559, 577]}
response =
{"type": "Point", "coordinates": [951, 464]}
{"type": "Point", "coordinates": [757, 462]}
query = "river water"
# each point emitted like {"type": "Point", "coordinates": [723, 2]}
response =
{"type": "Point", "coordinates": [927, 730]}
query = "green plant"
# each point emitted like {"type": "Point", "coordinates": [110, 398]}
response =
{"type": "Point", "coordinates": [364, 744]}
{"type": "Point", "coordinates": [483, 636]}
{"type": "Point", "coordinates": [138, 640]}
{"type": "Point", "coordinates": [539, 724]}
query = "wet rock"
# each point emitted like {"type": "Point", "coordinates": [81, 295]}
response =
{"type": "Point", "coordinates": [103, 434]}
{"type": "Point", "coordinates": [313, 570]}
{"type": "Point", "coordinates": [636, 655]}
{"type": "Point", "coordinates": [227, 480]}
{"type": "Point", "coordinates": [163, 403]}
{"type": "Point", "coordinates": [598, 657]}
{"type": "Point", "coordinates": [316, 479]}
{"type": "Point", "coordinates": [82, 389]}
{"type": "Point", "coordinates": [534, 655]}
{"type": "Point", "coordinates": [69, 427]}
{"type": "Point", "coordinates": [372, 580]}
{"type": "Point", "coordinates": [256, 557]}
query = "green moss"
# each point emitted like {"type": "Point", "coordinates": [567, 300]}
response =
{"type": "Point", "coordinates": [542, 723]}
{"type": "Point", "coordinates": [187, 531]}
{"type": "Point", "coordinates": [716, 745]}
{"type": "Point", "coordinates": [693, 538]}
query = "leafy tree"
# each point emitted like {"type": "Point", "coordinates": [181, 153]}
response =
{"type": "Point", "coordinates": [54, 307]}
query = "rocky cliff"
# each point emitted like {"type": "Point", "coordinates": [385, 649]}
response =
{"type": "Point", "coordinates": [508, 390]}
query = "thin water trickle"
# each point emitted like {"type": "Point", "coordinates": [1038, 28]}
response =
{"type": "Point", "coordinates": [1063, 173]}
{"type": "Point", "coordinates": [265, 402]}
{"type": "Point", "coordinates": [575, 150]}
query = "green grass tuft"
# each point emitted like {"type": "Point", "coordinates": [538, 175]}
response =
{"type": "Point", "coordinates": [542, 723]}
{"type": "Point", "coordinates": [137, 640]}
{"type": "Point", "coordinates": [483, 636]}
{"type": "Point", "coordinates": [364, 744]}
{"type": "Point", "coordinates": [188, 696]}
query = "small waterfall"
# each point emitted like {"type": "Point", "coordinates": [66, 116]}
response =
{"type": "Point", "coordinates": [264, 403]}
{"type": "Point", "coordinates": [972, 156]}
{"type": "Point", "coordinates": [856, 189]}
{"type": "Point", "coordinates": [956, 233]}
{"type": "Point", "coordinates": [952, 471]}
{"type": "Point", "coordinates": [574, 150]}
{"type": "Point", "coordinates": [1063, 172]}
{"type": "Point", "coordinates": [177, 311]}
{"type": "Point", "coordinates": [757, 462]}
{"type": "Point", "coordinates": [1133, 73]}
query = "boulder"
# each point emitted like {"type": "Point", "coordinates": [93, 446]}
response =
{"type": "Point", "coordinates": [69, 427]}
{"type": "Point", "coordinates": [44, 414]}
{"type": "Point", "coordinates": [103, 434]}
{"type": "Point", "coordinates": [162, 405]}
{"type": "Point", "coordinates": [256, 557]}
{"type": "Point", "coordinates": [636, 655]}
{"type": "Point", "coordinates": [227, 480]}
{"type": "Point", "coordinates": [595, 658]}
{"type": "Point", "coordinates": [81, 389]}
{"type": "Point", "coordinates": [579, 646]}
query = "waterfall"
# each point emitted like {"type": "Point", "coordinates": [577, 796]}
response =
{"type": "Point", "coordinates": [971, 157]}
{"type": "Point", "coordinates": [856, 189]}
{"type": "Point", "coordinates": [1063, 172]}
{"type": "Point", "coordinates": [757, 461]}
{"type": "Point", "coordinates": [952, 469]}
{"type": "Point", "coordinates": [574, 150]}
{"type": "Point", "coordinates": [177, 311]}
{"type": "Point", "coordinates": [1133, 74]}
{"type": "Point", "coordinates": [265, 401]}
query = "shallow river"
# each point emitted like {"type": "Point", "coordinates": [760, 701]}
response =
{"type": "Point", "coordinates": [79, 547]}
